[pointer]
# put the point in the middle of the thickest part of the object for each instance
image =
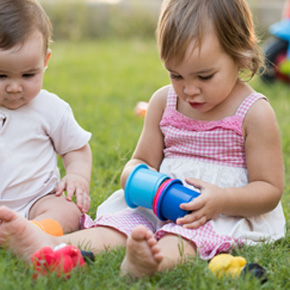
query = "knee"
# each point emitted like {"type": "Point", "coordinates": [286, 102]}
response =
{"type": "Point", "coordinates": [65, 212]}
{"type": "Point", "coordinates": [69, 217]}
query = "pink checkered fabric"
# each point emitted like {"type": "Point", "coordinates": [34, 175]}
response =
{"type": "Point", "coordinates": [219, 142]}
{"type": "Point", "coordinates": [207, 241]}
{"type": "Point", "coordinates": [125, 221]}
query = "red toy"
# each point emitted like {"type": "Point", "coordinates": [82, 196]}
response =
{"type": "Point", "coordinates": [61, 261]}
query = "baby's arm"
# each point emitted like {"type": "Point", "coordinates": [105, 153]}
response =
{"type": "Point", "coordinates": [149, 149]}
{"type": "Point", "coordinates": [78, 167]}
{"type": "Point", "coordinates": [265, 171]}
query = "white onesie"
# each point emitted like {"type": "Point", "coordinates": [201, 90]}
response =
{"type": "Point", "coordinates": [30, 139]}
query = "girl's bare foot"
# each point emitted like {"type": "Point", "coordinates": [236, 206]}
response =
{"type": "Point", "coordinates": [142, 254]}
{"type": "Point", "coordinates": [20, 235]}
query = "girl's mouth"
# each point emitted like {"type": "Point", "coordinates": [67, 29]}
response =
{"type": "Point", "coordinates": [196, 106]}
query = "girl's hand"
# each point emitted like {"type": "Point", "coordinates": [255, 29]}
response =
{"type": "Point", "coordinates": [207, 206]}
{"type": "Point", "coordinates": [76, 185]}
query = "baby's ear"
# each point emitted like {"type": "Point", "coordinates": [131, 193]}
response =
{"type": "Point", "coordinates": [47, 57]}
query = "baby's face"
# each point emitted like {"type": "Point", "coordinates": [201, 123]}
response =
{"type": "Point", "coordinates": [21, 72]}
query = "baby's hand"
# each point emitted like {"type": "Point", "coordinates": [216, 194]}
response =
{"type": "Point", "coordinates": [207, 206]}
{"type": "Point", "coordinates": [76, 185]}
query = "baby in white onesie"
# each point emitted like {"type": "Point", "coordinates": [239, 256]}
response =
{"type": "Point", "coordinates": [36, 126]}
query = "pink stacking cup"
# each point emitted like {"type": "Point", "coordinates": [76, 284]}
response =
{"type": "Point", "coordinates": [158, 194]}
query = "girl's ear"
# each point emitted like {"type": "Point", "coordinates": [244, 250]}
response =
{"type": "Point", "coordinates": [47, 57]}
{"type": "Point", "coordinates": [245, 63]}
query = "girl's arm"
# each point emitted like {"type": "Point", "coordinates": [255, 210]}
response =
{"type": "Point", "coordinates": [149, 149]}
{"type": "Point", "coordinates": [265, 172]}
{"type": "Point", "coordinates": [264, 163]}
{"type": "Point", "coordinates": [78, 167]}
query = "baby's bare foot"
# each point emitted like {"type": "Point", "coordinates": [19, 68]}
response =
{"type": "Point", "coordinates": [142, 254]}
{"type": "Point", "coordinates": [20, 235]}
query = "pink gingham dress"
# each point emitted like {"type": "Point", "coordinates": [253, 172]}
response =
{"type": "Point", "coordinates": [212, 151]}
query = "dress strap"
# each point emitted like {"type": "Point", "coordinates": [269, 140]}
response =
{"type": "Point", "coordinates": [248, 102]}
{"type": "Point", "coordinates": [171, 98]}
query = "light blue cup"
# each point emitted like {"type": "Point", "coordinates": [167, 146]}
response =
{"type": "Point", "coordinates": [142, 185]}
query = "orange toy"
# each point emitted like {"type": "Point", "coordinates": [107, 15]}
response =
{"type": "Point", "coordinates": [50, 226]}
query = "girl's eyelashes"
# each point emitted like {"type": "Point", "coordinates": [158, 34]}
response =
{"type": "Point", "coordinates": [201, 77]}
{"type": "Point", "coordinates": [2, 76]}
{"type": "Point", "coordinates": [173, 76]}
{"type": "Point", "coordinates": [206, 77]}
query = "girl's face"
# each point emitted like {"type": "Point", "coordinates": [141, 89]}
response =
{"type": "Point", "coordinates": [21, 72]}
{"type": "Point", "coordinates": [205, 78]}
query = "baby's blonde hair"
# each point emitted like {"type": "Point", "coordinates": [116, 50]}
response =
{"type": "Point", "coordinates": [182, 21]}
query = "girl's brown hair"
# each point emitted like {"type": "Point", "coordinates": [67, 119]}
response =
{"type": "Point", "coordinates": [19, 19]}
{"type": "Point", "coordinates": [182, 21]}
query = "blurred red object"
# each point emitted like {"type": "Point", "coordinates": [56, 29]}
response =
{"type": "Point", "coordinates": [61, 261]}
{"type": "Point", "coordinates": [286, 10]}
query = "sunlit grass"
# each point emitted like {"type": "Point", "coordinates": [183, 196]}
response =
{"type": "Point", "coordinates": [103, 81]}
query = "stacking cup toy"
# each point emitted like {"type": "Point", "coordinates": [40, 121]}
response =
{"type": "Point", "coordinates": [142, 185]}
{"type": "Point", "coordinates": [156, 191]}
{"type": "Point", "coordinates": [168, 198]}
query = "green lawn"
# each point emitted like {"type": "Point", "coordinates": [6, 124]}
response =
{"type": "Point", "coordinates": [103, 81]}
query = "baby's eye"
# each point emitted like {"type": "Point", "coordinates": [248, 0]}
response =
{"type": "Point", "coordinates": [28, 75]}
{"type": "Point", "coordinates": [3, 76]}
{"type": "Point", "coordinates": [208, 77]}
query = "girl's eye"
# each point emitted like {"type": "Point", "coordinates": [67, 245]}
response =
{"type": "Point", "coordinates": [175, 76]}
{"type": "Point", "coordinates": [3, 76]}
{"type": "Point", "coordinates": [206, 77]}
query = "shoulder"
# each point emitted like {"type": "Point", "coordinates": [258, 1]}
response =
{"type": "Point", "coordinates": [47, 98]}
{"type": "Point", "coordinates": [260, 109]}
{"type": "Point", "coordinates": [50, 97]}
{"type": "Point", "coordinates": [51, 109]}
{"type": "Point", "coordinates": [260, 116]}
{"type": "Point", "coordinates": [49, 104]}
{"type": "Point", "coordinates": [159, 98]}
{"type": "Point", "coordinates": [157, 105]}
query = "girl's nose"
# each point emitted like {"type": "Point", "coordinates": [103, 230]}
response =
{"type": "Point", "coordinates": [14, 87]}
{"type": "Point", "coordinates": [191, 89]}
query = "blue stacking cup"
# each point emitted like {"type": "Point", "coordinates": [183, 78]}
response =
{"type": "Point", "coordinates": [142, 185]}
{"type": "Point", "coordinates": [168, 207]}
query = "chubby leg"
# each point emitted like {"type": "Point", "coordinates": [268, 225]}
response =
{"type": "Point", "coordinates": [145, 256]}
{"type": "Point", "coordinates": [65, 212]}
{"type": "Point", "coordinates": [96, 239]}
{"type": "Point", "coordinates": [175, 250]}
{"type": "Point", "coordinates": [24, 238]}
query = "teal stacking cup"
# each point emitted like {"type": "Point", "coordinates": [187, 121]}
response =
{"type": "Point", "coordinates": [142, 185]}
{"type": "Point", "coordinates": [173, 194]}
